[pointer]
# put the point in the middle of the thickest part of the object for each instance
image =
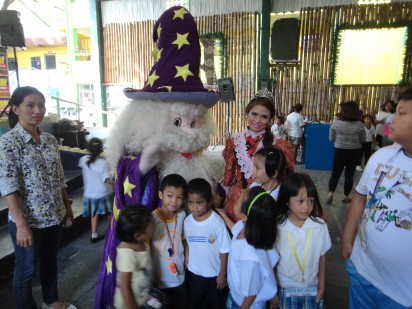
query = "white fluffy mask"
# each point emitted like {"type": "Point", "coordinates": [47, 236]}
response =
{"type": "Point", "coordinates": [176, 127]}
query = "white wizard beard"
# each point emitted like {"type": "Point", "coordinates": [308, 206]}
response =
{"type": "Point", "coordinates": [189, 168]}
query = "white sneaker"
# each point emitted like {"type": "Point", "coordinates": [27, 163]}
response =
{"type": "Point", "coordinates": [359, 168]}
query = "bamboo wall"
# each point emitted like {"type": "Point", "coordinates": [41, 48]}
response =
{"type": "Point", "coordinates": [127, 60]}
{"type": "Point", "coordinates": [308, 81]}
{"type": "Point", "coordinates": [239, 30]}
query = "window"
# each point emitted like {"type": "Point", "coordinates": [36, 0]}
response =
{"type": "Point", "coordinates": [86, 94]}
{"type": "Point", "coordinates": [35, 63]}
{"type": "Point", "coordinates": [50, 61]}
{"type": "Point", "coordinates": [11, 62]}
{"type": "Point", "coordinates": [370, 55]}
{"type": "Point", "coordinates": [213, 55]}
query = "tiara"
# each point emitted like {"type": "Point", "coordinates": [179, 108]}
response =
{"type": "Point", "coordinates": [264, 93]}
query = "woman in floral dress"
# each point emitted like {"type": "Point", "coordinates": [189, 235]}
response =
{"type": "Point", "coordinates": [240, 147]}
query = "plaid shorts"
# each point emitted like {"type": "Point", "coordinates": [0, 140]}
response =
{"type": "Point", "coordinates": [99, 206]}
{"type": "Point", "coordinates": [298, 302]}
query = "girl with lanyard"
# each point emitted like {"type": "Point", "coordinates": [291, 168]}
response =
{"type": "Point", "coordinates": [302, 242]}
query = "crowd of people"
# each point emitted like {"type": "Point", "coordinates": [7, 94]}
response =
{"type": "Point", "coordinates": [265, 248]}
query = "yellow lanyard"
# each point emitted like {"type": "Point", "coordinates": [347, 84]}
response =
{"type": "Point", "coordinates": [305, 258]}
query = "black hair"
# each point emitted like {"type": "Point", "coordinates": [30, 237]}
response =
{"type": "Point", "coordinates": [290, 187]}
{"type": "Point", "coordinates": [132, 219]}
{"type": "Point", "coordinates": [298, 107]}
{"type": "Point", "coordinates": [281, 118]}
{"type": "Point", "coordinates": [367, 116]}
{"type": "Point", "coordinates": [406, 95]}
{"type": "Point", "coordinates": [349, 111]}
{"type": "Point", "coordinates": [173, 180]}
{"type": "Point", "coordinates": [391, 102]}
{"type": "Point", "coordinates": [261, 225]}
{"type": "Point", "coordinates": [202, 187]}
{"type": "Point", "coordinates": [18, 96]}
{"type": "Point", "coordinates": [265, 102]}
{"type": "Point", "coordinates": [275, 161]}
{"type": "Point", "coordinates": [95, 147]}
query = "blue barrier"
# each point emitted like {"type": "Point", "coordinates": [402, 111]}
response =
{"type": "Point", "coordinates": [319, 150]}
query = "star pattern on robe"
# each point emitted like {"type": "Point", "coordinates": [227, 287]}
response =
{"type": "Point", "coordinates": [152, 78]}
{"type": "Point", "coordinates": [180, 13]}
{"type": "Point", "coordinates": [183, 71]}
{"type": "Point", "coordinates": [116, 211]}
{"type": "Point", "coordinates": [169, 88]}
{"type": "Point", "coordinates": [109, 264]}
{"type": "Point", "coordinates": [128, 187]}
{"type": "Point", "coordinates": [181, 40]}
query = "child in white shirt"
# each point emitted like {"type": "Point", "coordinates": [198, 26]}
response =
{"type": "Point", "coordinates": [302, 241]}
{"type": "Point", "coordinates": [168, 240]}
{"type": "Point", "coordinates": [252, 257]}
{"type": "Point", "coordinates": [208, 247]}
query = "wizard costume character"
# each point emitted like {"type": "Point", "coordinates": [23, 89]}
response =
{"type": "Point", "coordinates": [164, 129]}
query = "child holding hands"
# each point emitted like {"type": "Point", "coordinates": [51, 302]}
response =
{"type": "Point", "coordinates": [208, 247]}
{"type": "Point", "coordinates": [133, 261]}
{"type": "Point", "coordinates": [302, 242]}
{"type": "Point", "coordinates": [252, 257]}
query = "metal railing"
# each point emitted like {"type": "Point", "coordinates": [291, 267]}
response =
{"type": "Point", "coordinates": [79, 106]}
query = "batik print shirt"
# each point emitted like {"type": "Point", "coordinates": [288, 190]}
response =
{"type": "Point", "coordinates": [36, 173]}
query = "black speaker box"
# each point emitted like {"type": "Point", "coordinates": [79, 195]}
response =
{"type": "Point", "coordinates": [226, 89]}
{"type": "Point", "coordinates": [11, 30]}
{"type": "Point", "coordinates": [285, 40]}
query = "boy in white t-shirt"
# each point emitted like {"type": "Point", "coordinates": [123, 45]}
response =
{"type": "Point", "coordinates": [168, 240]}
{"type": "Point", "coordinates": [377, 235]}
{"type": "Point", "coordinates": [208, 247]}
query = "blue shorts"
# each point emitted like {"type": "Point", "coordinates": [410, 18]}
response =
{"type": "Point", "coordinates": [363, 295]}
{"type": "Point", "coordinates": [99, 206]}
{"type": "Point", "coordinates": [307, 302]}
{"type": "Point", "coordinates": [230, 303]}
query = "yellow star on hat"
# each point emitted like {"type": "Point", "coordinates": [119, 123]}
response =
{"type": "Point", "coordinates": [181, 40]}
{"type": "Point", "coordinates": [152, 78]}
{"type": "Point", "coordinates": [180, 13]}
{"type": "Point", "coordinates": [183, 71]}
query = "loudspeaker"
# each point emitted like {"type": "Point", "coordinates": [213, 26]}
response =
{"type": "Point", "coordinates": [11, 30]}
{"type": "Point", "coordinates": [226, 89]}
{"type": "Point", "coordinates": [285, 40]}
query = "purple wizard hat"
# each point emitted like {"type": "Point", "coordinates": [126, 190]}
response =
{"type": "Point", "coordinates": [175, 75]}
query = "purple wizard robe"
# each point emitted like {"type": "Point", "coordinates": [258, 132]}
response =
{"type": "Point", "coordinates": [130, 188]}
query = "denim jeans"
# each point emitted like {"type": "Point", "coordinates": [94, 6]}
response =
{"type": "Point", "coordinates": [45, 246]}
{"type": "Point", "coordinates": [363, 295]}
